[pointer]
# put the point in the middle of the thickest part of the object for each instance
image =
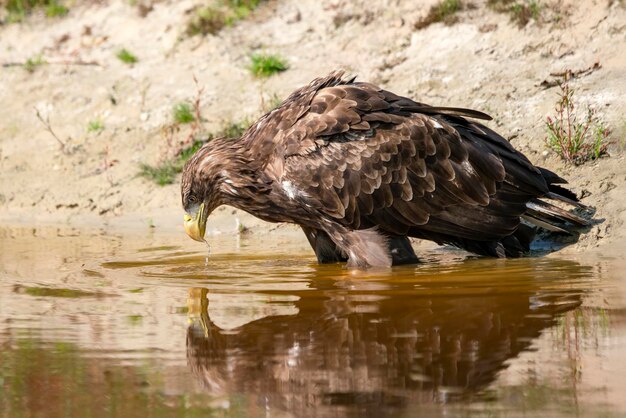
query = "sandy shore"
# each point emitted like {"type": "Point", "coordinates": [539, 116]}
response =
{"type": "Point", "coordinates": [483, 61]}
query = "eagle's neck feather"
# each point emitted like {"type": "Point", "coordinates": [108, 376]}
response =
{"type": "Point", "coordinates": [235, 173]}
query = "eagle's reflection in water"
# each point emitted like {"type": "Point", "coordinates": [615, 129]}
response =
{"type": "Point", "coordinates": [378, 346]}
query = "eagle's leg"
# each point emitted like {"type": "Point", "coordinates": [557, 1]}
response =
{"type": "Point", "coordinates": [401, 250]}
{"type": "Point", "coordinates": [399, 247]}
{"type": "Point", "coordinates": [325, 249]}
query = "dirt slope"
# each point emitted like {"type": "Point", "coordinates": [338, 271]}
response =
{"type": "Point", "coordinates": [483, 61]}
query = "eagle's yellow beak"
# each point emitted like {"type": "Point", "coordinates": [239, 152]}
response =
{"type": "Point", "coordinates": [195, 227]}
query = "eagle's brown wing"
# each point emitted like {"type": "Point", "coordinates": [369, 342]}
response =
{"type": "Point", "coordinates": [365, 157]}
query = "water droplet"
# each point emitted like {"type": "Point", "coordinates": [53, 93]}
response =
{"type": "Point", "coordinates": [208, 253]}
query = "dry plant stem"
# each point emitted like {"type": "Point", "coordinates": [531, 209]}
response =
{"type": "Point", "coordinates": [107, 164]}
{"type": "Point", "coordinates": [144, 93]}
{"type": "Point", "coordinates": [197, 123]}
{"type": "Point", "coordinates": [569, 74]}
{"type": "Point", "coordinates": [46, 123]}
{"type": "Point", "coordinates": [565, 106]}
{"type": "Point", "coordinates": [261, 94]}
{"type": "Point", "coordinates": [264, 104]}
{"type": "Point", "coordinates": [173, 146]}
{"type": "Point", "coordinates": [262, 90]}
{"type": "Point", "coordinates": [168, 132]}
{"type": "Point", "coordinates": [574, 139]}
{"type": "Point", "coordinates": [561, 137]}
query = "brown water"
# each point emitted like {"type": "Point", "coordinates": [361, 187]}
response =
{"type": "Point", "coordinates": [95, 325]}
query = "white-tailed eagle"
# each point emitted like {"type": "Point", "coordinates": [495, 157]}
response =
{"type": "Point", "coordinates": [362, 169]}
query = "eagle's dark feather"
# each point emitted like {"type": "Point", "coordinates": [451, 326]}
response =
{"type": "Point", "coordinates": [361, 169]}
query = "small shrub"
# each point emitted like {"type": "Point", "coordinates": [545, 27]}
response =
{"type": "Point", "coordinates": [445, 11]}
{"type": "Point", "coordinates": [575, 141]}
{"type": "Point", "coordinates": [32, 64]}
{"type": "Point", "coordinates": [266, 65]}
{"type": "Point", "coordinates": [95, 125]}
{"type": "Point", "coordinates": [126, 56]}
{"type": "Point", "coordinates": [183, 113]}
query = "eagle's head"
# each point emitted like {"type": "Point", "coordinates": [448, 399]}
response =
{"type": "Point", "coordinates": [200, 187]}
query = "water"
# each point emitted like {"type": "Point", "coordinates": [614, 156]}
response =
{"type": "Point", "coordinates": [96, 324]}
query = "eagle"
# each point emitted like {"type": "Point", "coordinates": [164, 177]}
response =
{"type": "Point", "coordinates": [362, 170]}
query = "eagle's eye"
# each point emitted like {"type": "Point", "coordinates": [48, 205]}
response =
{"type": "Point", "coordinates": [192, 198]}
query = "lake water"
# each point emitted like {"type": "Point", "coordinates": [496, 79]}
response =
{"type": "Point", "coordinates": [97, 324]}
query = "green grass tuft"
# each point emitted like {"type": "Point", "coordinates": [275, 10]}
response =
{"type": "Point", "coordinates": [444, 11]}
{"type": "Point", "coordinates": [264, 65]}
{"type": "Point", "coordinates": [162, 174]}
{"type": "Point", "coordinates": [166, 172]}
{"type": "Point", "coordinates": [521, 11]}
{"type": "Point", "coordinates": [206, 20]}
{"type": "Point", "coordinates": [599, 146]}
{"type": "Point", "coordinates": [535, 9]}
{"type": "Point", "coordinates": [17, 10]}
{"type": "Point", "coordinates": [95, 125]}
{"type": "Point", "coordinates": [447, 8]}
{"type": "Point", "coordinates": [211, 19]}
{"type": "Point", "coordinates": [183, 113]}
{"type": "Point", "coordinates": [55, 9]}
{"type": "Point", "coordinates": [126, 56]}
{"type": "Point", "coordinates": [32, 64]}
{"type": "Point", "coordinates": [187, 153]}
